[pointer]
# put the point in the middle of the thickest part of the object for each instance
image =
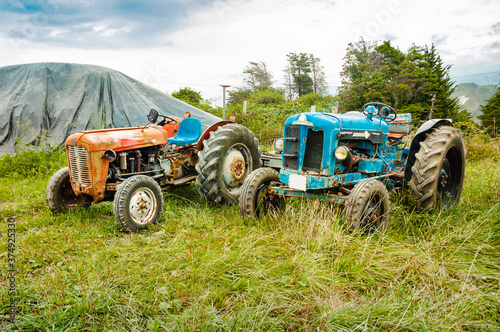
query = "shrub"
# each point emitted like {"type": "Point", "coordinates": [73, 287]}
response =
{"type": "Point", "coordinates": [482, 147]}
{"type": "Point", "coordinates": [30, 161]}
{"type": "Point", "coordinates": [267, 97]}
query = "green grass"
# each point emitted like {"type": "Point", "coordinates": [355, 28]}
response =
{"type": "Point", "coordinates": [205, 268]}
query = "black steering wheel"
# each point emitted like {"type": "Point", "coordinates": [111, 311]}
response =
{"type": "Point", "coordinates": [167, 120]}
{"type": "Point", "coordinates": [384, 111]}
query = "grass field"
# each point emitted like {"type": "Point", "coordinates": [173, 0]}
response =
{"type": "Point", "coordinates": [206, 269]}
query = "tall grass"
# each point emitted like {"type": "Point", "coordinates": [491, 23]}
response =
{"type": "Point", "coordinates": [206, 269]}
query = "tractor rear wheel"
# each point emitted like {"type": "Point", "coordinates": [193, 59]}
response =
{"type": "Point", "coordinates": [438, 173]}
{"type": "Point", "coordinates": [228, 156]}
{"type": "Point", "coordinates": [367, 207]}
{"type": "Point", "coordinates": [255, 201]}
{"type": "Point", "coordinates": [60, 196]}
{"type": "Point", "coordinates": [138, 202]}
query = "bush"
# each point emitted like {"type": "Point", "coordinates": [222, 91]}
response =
{"type": "Point", "coordinates": [29, 162]}
{"type": "Point", "coordinates": [268, 97]}
{"type": "Point", "coordinates": [316, 99]}
{"type": "Point", "coordinates": [482, 147]}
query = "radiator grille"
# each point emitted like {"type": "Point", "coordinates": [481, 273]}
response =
{"type": "Point", "coordinates": [79, 165]}
{"type": "Point", "coordinates": [291, 150]}
{"type": "Point", "coordinates": [314, 151]}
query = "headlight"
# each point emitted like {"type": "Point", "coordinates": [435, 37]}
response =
{"type": "Point", "coordinates": [278, 145]}
{"type": "Point", "coordinates": [341, 153]}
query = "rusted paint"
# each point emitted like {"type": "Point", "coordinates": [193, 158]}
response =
{"type": "Point", "coordinates": [96, 142]}
{"type": "Point", "coordinates": [237, 168]}
{"type": "Point", "coordinates": [206, 133]}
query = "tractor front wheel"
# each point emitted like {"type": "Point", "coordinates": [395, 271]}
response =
{"type": "Point", "coordinates": [255, 200]}
{"type": "Point", "coordinates": [228, 156]}
{"type": "Point", "coordinates": [60, 196]}
{"type": "Point", "coordinates": [138, 202]}
{"type": "Point", "coordinates": [439, 169]}
{"type": "Point", "coordinates": [367, 207]}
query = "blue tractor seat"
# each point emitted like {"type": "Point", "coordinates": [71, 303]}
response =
{"type": "Point", "coordinates": [189, 132]}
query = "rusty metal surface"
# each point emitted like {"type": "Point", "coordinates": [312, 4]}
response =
{"type": "Point", "coordinates": [289, 192]}
{"type": "Point", "coordinates": [96, 142]}
{"type": "Point", "coordinates": [119, 139]}
{"type": "Point", "coordinates": [206, 133]}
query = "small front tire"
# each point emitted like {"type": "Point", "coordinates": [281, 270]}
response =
{"type": "Point", "coordinates": [367, 207]}
{"type": "Point", "coordinates": [60, 196]}
{"type": "Point", "coordinates": [255, 200]}
{"type": "Point", "coordinates": [138, 203]}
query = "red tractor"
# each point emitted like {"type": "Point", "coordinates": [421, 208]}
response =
{"type": "Point", "coordinates": [132, 166]}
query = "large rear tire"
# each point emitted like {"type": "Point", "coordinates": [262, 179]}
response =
{"type": "Point", "coordinates": [138, 203]}
{"type": "Point", "coordinates": [367, 207]}
{"type": "Point", "coordinates": [255, 201]}
{"type": "Point", "coordinates": [439, 169]}
{"type": "Point", "coordinates": [60, 196]}
{"type": "Point", "coordinates": [229, 155]}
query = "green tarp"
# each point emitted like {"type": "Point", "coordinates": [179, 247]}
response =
{"type": "Point", "coordinates": [50, 101]}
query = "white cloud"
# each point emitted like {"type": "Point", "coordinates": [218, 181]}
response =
{"type": "Point", "coordinates": [212, 44]}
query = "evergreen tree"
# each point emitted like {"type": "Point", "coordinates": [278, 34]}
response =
{"type": "Point", "coordinates": [300, 67]}
{"type": "Point", "coordinates": [491, 111]}
{"type": "Point", "coordinates": [362, 77]}
{"type": "Point", "coordinates": [406, 81]}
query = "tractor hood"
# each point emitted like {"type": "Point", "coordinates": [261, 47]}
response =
{"type": "Point", "coordinates": [349, 121]}
{"type": "Point", "coordinates": [351, 125]}
{"type": "Point", "coordinates": [118, 139]}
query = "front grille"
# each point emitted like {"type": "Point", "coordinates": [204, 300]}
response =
{"type": "Point", "coordinates": [79, 165]}
{"type": "Point", "coordinates": [313, 154]}
{"type": "Point", "coordinates": [291, 150]}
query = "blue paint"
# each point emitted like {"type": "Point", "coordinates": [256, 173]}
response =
{"type": "Point", "coordinates": [365, 136]}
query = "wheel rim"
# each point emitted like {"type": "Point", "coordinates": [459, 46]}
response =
{"type": "Point", "coordinates": [450, 176]}
{"type": "Point", "coordinates": [143, 206]}
{"type": "Point", "coordinates": [68, 198]}
{"type": "Point", "coordinates": [262, 201]}
{"type": "Point", "coordinates": [237, 164]}
{"type": "Point", "coordinates": [265, 202]}
{"type": "Point", "coordinates": [372, 215]}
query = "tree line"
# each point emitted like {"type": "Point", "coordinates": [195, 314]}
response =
{"type": "Point", "coordinates": [413, 81]}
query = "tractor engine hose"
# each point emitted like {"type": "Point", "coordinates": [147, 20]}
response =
{"type": "Point", "coordinates": [138, 157]}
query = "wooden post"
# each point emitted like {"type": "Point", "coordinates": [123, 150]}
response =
{"type": "Point", "coordinates": [432, 106]}
{"type": "Point", "coordinates": [224, 100]}
{"type": "Point", "coordinates": [244, 111]}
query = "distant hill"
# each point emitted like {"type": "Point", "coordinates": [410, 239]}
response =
{"type": "Point", "coordinates": [471, 96]}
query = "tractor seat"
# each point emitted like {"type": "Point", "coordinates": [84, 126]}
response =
{"type": "Point", "coordinates": [189, 132]}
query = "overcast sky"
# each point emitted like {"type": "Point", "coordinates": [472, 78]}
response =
{"type": "Point", "coordinates": [204, 43]}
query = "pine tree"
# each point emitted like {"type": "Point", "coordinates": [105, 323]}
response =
{"type": "Point", "coordinates": [406, 81]}
{"type": "Point", "coordinates": [491, 111]}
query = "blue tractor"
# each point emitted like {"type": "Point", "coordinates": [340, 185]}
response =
{"type": "Point", "coordinates": [354, 159]}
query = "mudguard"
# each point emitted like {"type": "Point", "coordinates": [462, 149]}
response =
{"type": "Point", "coordinates": [419, 137]}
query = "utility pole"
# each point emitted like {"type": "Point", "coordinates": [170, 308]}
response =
{"type": "Point", "coordinates": [224, 100]}
{"type": "Point", "coordinates": [432, 106]}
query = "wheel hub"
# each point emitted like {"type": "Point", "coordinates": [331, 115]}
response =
{"type": "Point", "coordinates": [142, 205]}
{"type": "Point", "coordinates": [444, 174]}
{"type": "Point", "coordinates": [234, 168]}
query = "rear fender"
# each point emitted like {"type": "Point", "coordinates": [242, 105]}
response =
{"type": "Point", "coordinates": [206, 133]}
{"type": "Point", "coordinates": [419, 137]}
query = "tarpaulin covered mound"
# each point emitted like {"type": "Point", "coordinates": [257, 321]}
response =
{"type": "Point", "coordinates": [50, 101]}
